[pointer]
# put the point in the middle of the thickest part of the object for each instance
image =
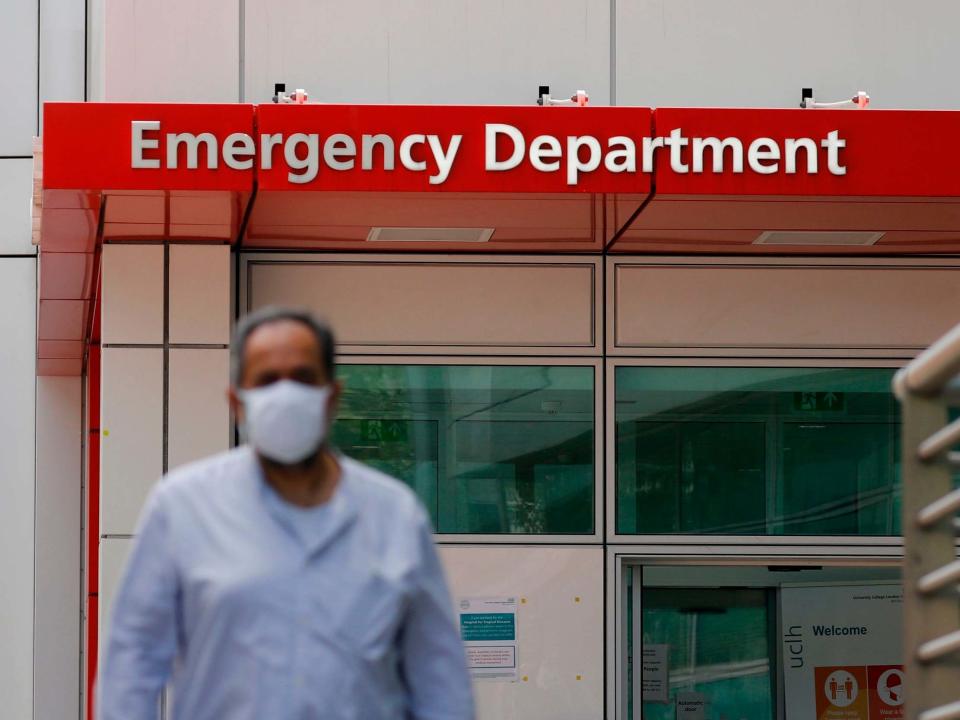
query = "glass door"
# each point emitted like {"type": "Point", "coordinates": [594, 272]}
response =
{"type": "Point", "coordinates": [711, 642]}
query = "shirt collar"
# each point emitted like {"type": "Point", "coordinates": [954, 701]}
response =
{"type": "Point", "coordinates": [342, 505]}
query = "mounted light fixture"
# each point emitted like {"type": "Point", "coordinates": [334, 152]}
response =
{"type": "Point", "coordinates": [818, 237]}
{"type": "Point", "coordinates": [429, 234]}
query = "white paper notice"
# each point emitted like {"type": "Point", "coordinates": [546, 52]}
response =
{"type": "Point", "coordinates": [691, 706]}
{"type": "Point", "coordinates": [655, 678]}
{"type": "Point", "coordinates": [488, 628]}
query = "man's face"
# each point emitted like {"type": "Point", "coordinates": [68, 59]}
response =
{"type": "Point", "coordinates": [282, 350]}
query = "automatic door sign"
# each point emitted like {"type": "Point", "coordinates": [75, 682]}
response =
{"type": "Point", "coordinates": [886, 692]}
{"type": "Point", "coordinates": [841, 693]}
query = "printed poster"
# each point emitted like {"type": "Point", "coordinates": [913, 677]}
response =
{"type": "Point", "coordinates": [655, 676]}
{"type": "Point", "coordinates": [842, 652]}
{"type": "Point", "coordinates": [488, 628]}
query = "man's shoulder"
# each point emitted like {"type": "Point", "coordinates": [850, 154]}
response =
{"type": "Point", "coordinates": [200, 475]}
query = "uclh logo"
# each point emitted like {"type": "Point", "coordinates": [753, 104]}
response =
{"type": "Point", "coordinates": [505, 148]}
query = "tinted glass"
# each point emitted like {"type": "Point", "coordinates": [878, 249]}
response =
{"type": "Point", "coordinates": [489, 449]}
{"type": "Point", "coordinates": [755, 451]}
{"type": "Point", "coordinates": [719, 646]}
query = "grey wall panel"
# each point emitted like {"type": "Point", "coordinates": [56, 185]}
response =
{"type": "Point", "coordinates": [62, 40]}
{"type": "Point", "coordinates": [17, 442]}
{"type": "Point", "coordinates": [175, 51]}
{"type": "Point", "coordinates": [760, 53]}
{"type": "Point", "coordinates": [436, 51]}
{"type": "Point", "coordinates": [16, 188]}
{"type": "Point", "coordinates": [59, 541]}
{"type": "Point", "coordinates": [18, 76]}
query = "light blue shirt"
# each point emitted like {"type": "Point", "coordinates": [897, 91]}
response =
{"type": "Point", "coordinates": [253, 618]}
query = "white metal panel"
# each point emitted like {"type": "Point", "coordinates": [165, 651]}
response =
{"type": "Point", "coordinates": [113, 558]}
{"type": "Point", "coordinates": [132, 294]}
{"type": "Point", "coordinates": [16, 190]}
{"type": "Point", "coordinates": [199, 420]}
{"type": "Point", "coordinates": [172, 51]}
{"type": "Point", "coordinates": [440, 304]}
{"type": "Point", "coordinates": [62, 39]}
{"type": "Point", "coordinates": [433, 51]}
{"type": "Point", "coordinates": [200, 302]}
{"type": "Point", "coordinates": [559, 627]}
{"type": "Point", "coordinates": [17, 442]}
{"type": "Point", "coordinates": [131, 443]}
{"type": "Point", "coordinates": [59, 509]}
{"type": "Point", "coordinates": [702, 306]}
{"type": "Point", "coordinates": [760, 53]}
{"type": "Point", "coordinates": [18, 77]}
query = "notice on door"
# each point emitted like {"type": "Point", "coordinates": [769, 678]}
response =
{"type": "Point", "coordinates": [488, 628]}
{"type": "Point", "coordinates": [842, 652]}
{"type": "Point", "coordinates": [691, 706]}
{"type": "Point", "coordinates": [656, 678]}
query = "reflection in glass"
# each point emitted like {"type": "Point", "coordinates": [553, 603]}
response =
{"type": "Point", "coordinates": [755, 451]}
{"type": "Point", "coordinates": [719, 646]}
{"type": "Point", "coordinates": [488, 449]}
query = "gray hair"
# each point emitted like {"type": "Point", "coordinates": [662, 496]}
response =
{"type": "Point", "coordinates": [273, 314]}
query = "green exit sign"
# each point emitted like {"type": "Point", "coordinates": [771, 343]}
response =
{"type": "Point", "coordinates": [819, 401]}
{"type": "Point", "coordinates": [383, 430]}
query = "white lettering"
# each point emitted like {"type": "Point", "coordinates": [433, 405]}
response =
{"type": "Point", "coordinates": [490, 160]}
{"type": "Point", "coordinates": [676, 142]}
{"type": "Point", "coordinates": [717, 146]}
{"type": "Point", "coordinates": [368, 143]}
{"type": "Point", "coordinates": [174, 140]}
{"type": "Point", "coordinates": [791, 146]}
{"type": "Point", "coordinates": [339, 146]}
{"type": "Point", "coordinates": [238, 145]}
{"type": "Point", "coordinates": [406, 152]}
{"type": "Point", "coordinates": [138, 143]}
{"type": "Point", "coordinates": [574, 164]}
{"type": "Point", "coordinates": [309, 164]}
{"type": "Point", "coordinates": [545, 146]}
{"type": "Point", "coordinates": [626, 154]}
{"type": "Point", "coordinates": [443, 159]}
{"type": "Point", "coordinates": [267, 143]}
{"type": "Point", "coordinates": [760, 151]}
{"type": "Point", "coordinates": [650, 145]}
{"type": "Point", "coordinates": [833, 143]}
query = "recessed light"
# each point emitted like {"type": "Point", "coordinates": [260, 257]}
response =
{"type": "Point", "coordinates": [429, 234]}
{"type": "Point", "coordinates": [818, 237]}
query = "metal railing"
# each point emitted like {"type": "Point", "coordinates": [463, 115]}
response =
{"type": "Point", "coordinates": [927, 388]}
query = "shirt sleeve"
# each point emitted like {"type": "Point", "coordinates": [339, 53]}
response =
{"type": "Point", "coordinates": [433, 660]}
{"type": "Point", "coordinates": [142, 633]}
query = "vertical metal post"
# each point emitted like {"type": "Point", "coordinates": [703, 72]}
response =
{"type": "Point", "coordinates": [927, 616]}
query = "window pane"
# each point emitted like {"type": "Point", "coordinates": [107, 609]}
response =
{"type": "Point", "coordinates": [489, 449]}
{"type": "Point", "coordinates": [719, 646]}
{"type": "Point", "coordinates": [753, 451]}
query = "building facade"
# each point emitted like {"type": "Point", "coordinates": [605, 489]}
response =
{"type": "Point", "coordinates": [657, 415]}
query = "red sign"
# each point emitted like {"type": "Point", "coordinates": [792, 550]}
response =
{"type": "Point", "coordinates": [89, 145]}
{"type": "Point", "coordinates": [886, 691]}
{"type": "Point", "coordinates": [502, 149]}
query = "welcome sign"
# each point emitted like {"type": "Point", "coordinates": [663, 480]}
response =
{"type": "Point", "coordinates": [842, 652]}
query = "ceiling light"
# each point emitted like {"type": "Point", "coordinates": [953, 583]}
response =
{"type": "Point", "coordinates": [429, 234]}
{"type": "Point", "coordinates": [818, 237]}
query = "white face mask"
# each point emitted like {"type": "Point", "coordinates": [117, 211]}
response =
{"type": "Point", "coordinates": [285, 421]}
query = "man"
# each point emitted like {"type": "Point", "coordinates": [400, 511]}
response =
{"type": "Point", "coordinates": [282, 580]}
